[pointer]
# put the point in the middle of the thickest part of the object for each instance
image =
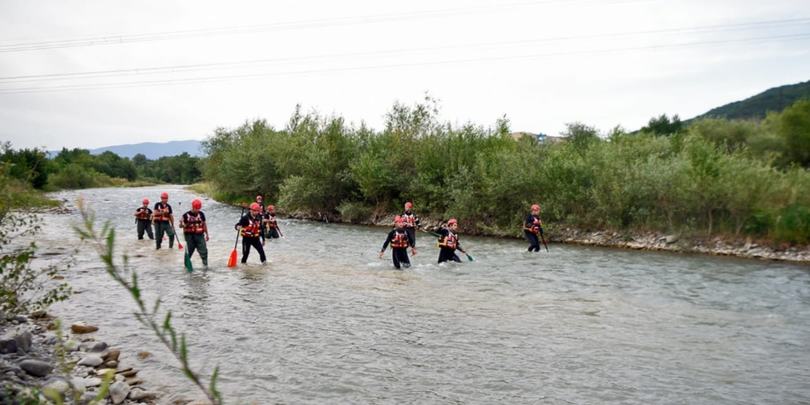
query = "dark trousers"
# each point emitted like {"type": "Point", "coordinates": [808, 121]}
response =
{"type": "Point", "coordinates": [196, 241]}
{"type": "Point", "coordinates": [271, 233]}
{"type": "Point", "coordinates": [412, 234]}
{"type": "Point", "coordinates": [256, 243]}
{"type": "Point", "coordinates": [162, 227]}
{"type": "Point", "coordinates": [145, 225]}
{"type": "Point", "coordinates": [400, 257]}
{"type": "Point", "coordinates": [446, 254]}
{"type": "Point", "coordinates": [534, 242]}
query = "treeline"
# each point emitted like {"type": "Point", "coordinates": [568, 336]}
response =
{"type": "Point", "coordinates": [77, 168]}
{"type": "Point", "coordinates": [715, 176]}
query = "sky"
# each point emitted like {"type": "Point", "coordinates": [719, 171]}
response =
{"type": "Point", "coordinates": [94, 73]}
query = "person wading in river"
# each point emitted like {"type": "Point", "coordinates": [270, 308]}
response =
{"type": "Point", "coordinates": [270, 223]}
{"type": "Point", "coordinates": [195, 231]}
{"type": "Point", "coordinates": [448, 242]}
{"type": "Point", "coordinates": [250, 227]}
{"type": "Point", "coordinates": [400, 239]}
{"type": "Point", "coordinates": [411, 221]}
{"type": "Point", "coordinates": [164, 220]}
{"type": "Point", "coordinates": [532, 227]}
{"type": "Point", "coordinates": [143, 217]}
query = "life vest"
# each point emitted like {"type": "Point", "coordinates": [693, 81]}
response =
{"type": "Point", "coordinates": [253, 229]}
{"type": "Point", "coordinates": [450, 241]}
{"type": "Point", "coordinates": [409, 220]}
{"type": "Point", "coordinates": [536, 224]}
{"type": "Point", "coordinates": [162, 212]}
{"type": "Point", "coordinates": [400, 240]}
{"type": "Point", "coordinates": [143, 214]}
{"type": "Point", "coordinates": [272, 223]}
{"type": "Point", "coordinates": [193, 223]}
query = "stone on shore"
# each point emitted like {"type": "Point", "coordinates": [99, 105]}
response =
{"type": "Point", "coordinates": [81, 327]}
{"type": "Point", "coordinates": [8, 345]}
{"type": "Point", "coordinates": [118, 392]}
{"type": "Point", "coordinates": [111, 355]}
{"type": "Point", "coordinates": [142, 395]}
{"type": "Point", "coordinates": [91, 361]}
{"type": "Point", "coordinates": [36, 368]}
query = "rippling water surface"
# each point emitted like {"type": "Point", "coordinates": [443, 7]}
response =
{"type": "Point", "coordinates": [328, 322]}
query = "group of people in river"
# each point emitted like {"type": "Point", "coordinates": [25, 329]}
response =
{"type": "Point", "coordinates": [260, 223]}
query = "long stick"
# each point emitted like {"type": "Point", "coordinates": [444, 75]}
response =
{"type": "Point", "coordinates": [543, 238]}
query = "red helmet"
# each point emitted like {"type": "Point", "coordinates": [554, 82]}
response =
{"type": "Point", "coordinates": [164, 195]}
{"type": "Point", "coordinates": [146, 201]}
{"type": "Point", "coordinates": [255, 207]}
{"type": "Point", "coordinates": [196, 204]}
{"type": "Point", "coordinates": [535, 207]}
{"type": "Point", "coordinates": [452, 221]}
{"type": "Point", "coordinates": [408, 205]}
{"type": "Point", "coordinates": [271, 207]}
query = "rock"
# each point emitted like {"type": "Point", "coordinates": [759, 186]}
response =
{"type": "Point", "coordinates": [97, 347]}
{"type": "Point", "coordinates": [71, 345]}
{"type": "Point", "coordinates": [113, 354]}
{"type": "Point", "coordinates": [40, 313]}
{"type": "Point", "coordinates": [143, 355]}
{"type": "Point", "coordinates": [91, 360]}
{"type": "Point", "coordinates": [103, 371]}
{"type": "Point", "coordinates": [81, 327]}
{"type": "Point", "coordinates": [129, 373]}
{"type": "Point", "coordinates": [141, 395]}
{"type": "Point", "coordinates": [111, 364]}
{"type": "Point", "coordinates": [118, 392]}
{"type": "Point", "coordinates": [36, 368]}
{"type": "Point", "coordinates": [59, 385]}
{"type": "Point", "coordinates": [133, 381]}
{"type": "Point", "coordinates": [92, 381]}
{"type": "Point", "coordinates": [23, 340]}
{"type": "Point", "coordinates": [8, 345]}
{"type": "Point", "coordinates": [670, 239]}
{"type": "Point", "coordinates": [21, 318]}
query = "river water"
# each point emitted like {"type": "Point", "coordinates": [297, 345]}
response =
{"type": "Point", "coordinates": [326, 321]}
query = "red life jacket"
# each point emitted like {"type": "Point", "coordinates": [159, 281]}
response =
{"type": "Point", "coordinates": [409, 219]}
{"type": "Point", "coordinates": [450, 241]}
{"type": "Point", "coordinates": [536, 224]}
{"type": "Point", "coordinates": [272, 223]}
{"type": "Point", "coordinates": [253, 229]}
{"type": "Point", "coordinates": [193, 223]}
{"type": "Point", "coordinates": [162, 212]}
{"type": "Point", "coordinates": [400, 240]}
{"type": "Point", "coordinates": [143, 213]}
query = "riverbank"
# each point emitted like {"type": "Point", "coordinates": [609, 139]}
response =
{"type": "Point", "coordinates": [653, 241]}
{"type": "Point", "coordinates": [36, 364]}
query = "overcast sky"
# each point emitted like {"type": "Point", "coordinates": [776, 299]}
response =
{"type": "Point", "coordinates": [98, 73]}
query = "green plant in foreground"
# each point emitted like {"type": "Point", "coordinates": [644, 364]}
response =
{"type": "Point", "coordinates": [103, 242]}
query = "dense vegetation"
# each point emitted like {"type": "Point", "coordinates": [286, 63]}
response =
{"type": "Point", "coordinates": [733, 177]}
{"type": "Point", "coordinates": [77, 168]}
{"type": "Point", "coordinates": [758, 106]}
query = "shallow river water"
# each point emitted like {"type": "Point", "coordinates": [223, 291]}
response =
{"type": "Point", "coordinates": [326, 321]}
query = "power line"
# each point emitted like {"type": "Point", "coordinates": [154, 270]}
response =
{"type": "Point", "coordinates": [210, 79]}
{"type": "Point", "coordinates": [247, 63]}
{"type": "Point", "coordinates": [114, 39]}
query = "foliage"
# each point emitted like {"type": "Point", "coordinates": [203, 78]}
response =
{"type": "Point", "coordinates": [103, 241]}
{"type": "Point", "coordinates": [735, 177]}
{"type": "Point", "coordinates": [23, 288]}
{"type": "Point", "coordinates": [663, 125]}
{"type": "Point", "coordinates": [758, 106]}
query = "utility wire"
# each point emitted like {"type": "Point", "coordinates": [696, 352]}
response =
{"type": "Point", "coordinates": [247, 63]}
{"type": "Point", "coordinates": [209, 79]}
{"type": "Point", "coordinates": [114, 39]}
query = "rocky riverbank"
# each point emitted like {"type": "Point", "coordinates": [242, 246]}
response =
{"type": "Point", "coordinates": [34, 362]}
{"type": "Point", "coordinates": [718, 246]}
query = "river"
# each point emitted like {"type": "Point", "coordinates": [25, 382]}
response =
{"type": "Point", "coordinates": [326, 321]}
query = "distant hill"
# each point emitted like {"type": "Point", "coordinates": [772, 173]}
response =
{"type": "Point", "coordinates": [153, 150]}
{"type": "Point", "coordinates": [775, 99]}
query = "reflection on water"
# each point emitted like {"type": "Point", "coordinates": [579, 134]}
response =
{"type": "Point", "coordinates": [326, 321]}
